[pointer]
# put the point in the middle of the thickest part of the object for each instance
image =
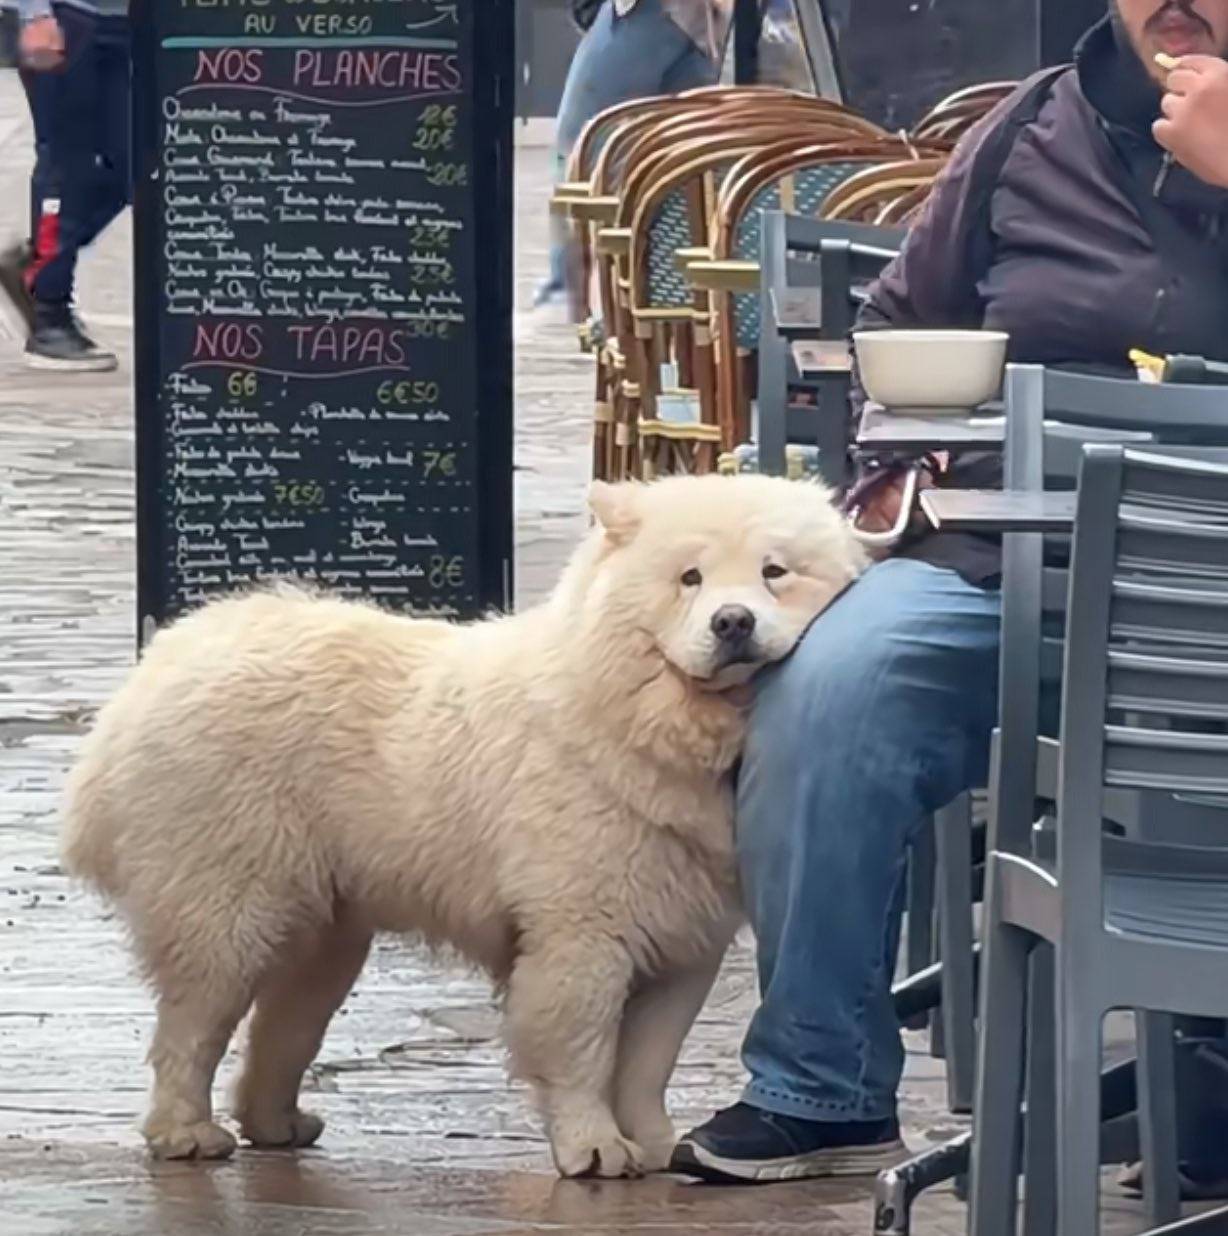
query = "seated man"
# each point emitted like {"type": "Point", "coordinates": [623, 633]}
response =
{"type": "Point", "coordinates": [1075, 233]}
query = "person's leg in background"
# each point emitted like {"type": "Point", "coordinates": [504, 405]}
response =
{"type": "Point", "coordinates": [89, 147]}
{"type": "Point", "coordinates": [41, 92]}
{"type": "Point", "coordinates": [619, 59]}
{"type": "Point", "coordinates": [882, 716]}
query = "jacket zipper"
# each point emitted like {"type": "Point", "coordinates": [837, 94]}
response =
{"type": "Point", "coordinates": [1166, 164]}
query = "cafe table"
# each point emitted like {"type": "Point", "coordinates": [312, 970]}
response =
{"type": "Point", "coordinates": [996, 510]}
{"type": "Point", "coordinates": [957, 431]}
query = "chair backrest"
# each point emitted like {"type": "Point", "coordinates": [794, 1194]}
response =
{"type": "Point", "coordinates": [960, 111]}
{"type": "Point", "coordinates": [838, 259]}
{"type": "Point", "coordinates": [867, 196]}
{"type": "Point", "coordinates": [597, 131]}
{"type": "Point", "coordinates": [671, 213]}
{"type": "Point", "coordinates": [1145, 689]}
{"type": "Point", "coordinates": [719, 108]}
{"type": "Point", "coordinates": [690, 131]}
{"type": "Point", "coordinates": [594, 136]}
{"type": "Point", "coordinates": [798, 180]}
{"type": "Point", "coordinates": [905, 209]}
{"type": "Point", "coordinates": [1051, 416]}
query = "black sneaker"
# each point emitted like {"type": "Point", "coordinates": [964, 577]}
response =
{"type": "Point", "coordinates": [747, 1145]}
{"type": "Point", "coordinates": [14, 262]}
{"type": "Point", "coordinates": [58, 343]}
{"type": "Point", "coordinates": [1196, 1186]}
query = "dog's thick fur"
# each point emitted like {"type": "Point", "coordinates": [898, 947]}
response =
{"type": "Point", "coordinates": [284, 775]}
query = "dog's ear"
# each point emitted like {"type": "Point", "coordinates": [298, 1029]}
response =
{"type": "Point", "coordinates": [616, 508]}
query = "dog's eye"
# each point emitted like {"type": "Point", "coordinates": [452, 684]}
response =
{"type": "Point", "coordinates": [692, 579]}
{"type": "Point", "coordinates": [773, 571]}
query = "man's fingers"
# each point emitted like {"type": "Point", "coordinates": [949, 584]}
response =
{"type": "Point", "coordinates": [1199, 64]}
{"type": "Point", "coordinates": [1163, 131]}
{"type": "Point", "coordinates": [1171, 106]}
{"type": "Point", "coordinates": [1182, 81]}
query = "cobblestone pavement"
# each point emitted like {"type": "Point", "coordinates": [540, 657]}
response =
{"type": "Point", "coordinates": [426, 1137]}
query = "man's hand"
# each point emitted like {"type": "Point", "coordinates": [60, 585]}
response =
{"type": "Point", "coordinates": [42, 44]}
{"type": "Point", "coordinates": [1195, 122]}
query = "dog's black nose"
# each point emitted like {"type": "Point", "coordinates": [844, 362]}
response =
{"type": "Point", "coordinates": [733, 624]}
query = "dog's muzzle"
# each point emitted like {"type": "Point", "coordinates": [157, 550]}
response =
{"type": "Point", "coordinates": [734, 628]}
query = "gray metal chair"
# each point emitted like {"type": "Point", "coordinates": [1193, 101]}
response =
{"type": "Point", "coordinates": [1050, 416]}
{"type": "Point", "coordinates": [836, 259]}
{"type": "Point", "coordinates": [1136, 921]}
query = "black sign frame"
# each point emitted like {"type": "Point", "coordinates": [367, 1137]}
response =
{"type": "Point", "coordinates": [492, 92]}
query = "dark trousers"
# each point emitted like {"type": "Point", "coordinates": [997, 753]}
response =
{"type": "Point", "coordinates": [82, 177]}
{"type": "Point", "coordinates": [40, 91]}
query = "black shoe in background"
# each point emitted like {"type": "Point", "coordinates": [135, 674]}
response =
{"type": "Point", "coordinates": [14, 262]}
{"type": "Point", "coordinates": [746, 1145]}
{"type": "Point", "coordinates": [1197, 1185]}
{"type": "Point", "coordinates": [57, 343]}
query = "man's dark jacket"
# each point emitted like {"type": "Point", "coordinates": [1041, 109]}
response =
{"type": "Point", "coordinates": [1098, 244]}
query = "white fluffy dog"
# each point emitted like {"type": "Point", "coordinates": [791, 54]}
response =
{"type": "Point", "coordinates": [285, 775]}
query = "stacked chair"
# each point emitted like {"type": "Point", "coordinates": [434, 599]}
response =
{"type": "Point", "coordinates": [666, 198]}
{"type": "Point", "coordinates": [954, 116]}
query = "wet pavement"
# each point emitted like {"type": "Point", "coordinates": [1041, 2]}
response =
{"type": "Point", "coordinates": [426, 1137]}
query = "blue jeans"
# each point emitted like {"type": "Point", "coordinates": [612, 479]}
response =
{"type": "Point", "coordinates": [882, 716]}
{"type": "Point", "coordinates": [620, 59]}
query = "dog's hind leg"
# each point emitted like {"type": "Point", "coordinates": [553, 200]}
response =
{"type": "Point", "coordinates": [565, 1000]}
{"type": "Point", "coordinates": [655, 1025]}
{"type": "Point", "coordinates": [195, 1024]}
{"type": "Point", "coordinates": [294, 1003]}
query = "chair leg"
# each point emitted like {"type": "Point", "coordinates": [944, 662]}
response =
{"type": "Point", "coordinates": [1157, 1103]}
{"type": "Point", "coordinates": [999, 1088]}
{"type": "Point", "coordinates": [1079, 1029]}
{"type": "Point", "coordinates": [921, 869]}
{"type": "Point", "coordinates": [1039, 1159]}
{"type": "Point", "coordinates": [953, 844]}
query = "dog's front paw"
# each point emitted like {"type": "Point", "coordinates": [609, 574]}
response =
{"type": "Point", "coordinates": [190, 1141]}
{"type": "Point", "coordinates": [600, 1151]}
{"type": "Point", "coordinates": [281, 1130]}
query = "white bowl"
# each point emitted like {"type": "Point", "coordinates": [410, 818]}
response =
{"type": "Point", "coordinates": [931, 370]}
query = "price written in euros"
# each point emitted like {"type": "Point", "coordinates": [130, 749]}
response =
{"type": "Point", "coordinates": [430, 235]}
{"type": "Point", "coordinates": [436, 130]}
{"type": "Point", "coordinates": [436, 134]}
{"type": "Point", "coordinates": [448, 175]}
{"type": "Point", "coordinates": [406, 392]}
{"type": "Point", "coordinates": [446, 572]}
{"type": "Point", "coordinates": [299, 494]}
{"type": "Point", "coordinates": [242, 384]}
{"type": "Point", "coordinates": [432, 274]}
{"type": "Point", "coordinates": [434, 465]}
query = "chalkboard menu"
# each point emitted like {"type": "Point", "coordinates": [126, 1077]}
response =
{"type": "Point", "coordinates": [323, 279]}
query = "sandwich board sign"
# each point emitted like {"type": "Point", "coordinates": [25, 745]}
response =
{"type": "Point", "coordinates": [324, 290]}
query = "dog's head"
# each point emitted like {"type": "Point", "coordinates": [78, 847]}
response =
{"type": "Point", "coordinates": [722, 574]}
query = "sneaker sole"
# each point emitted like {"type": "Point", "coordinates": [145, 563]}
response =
{"type": "Point", "coordinates": [691, 1159]}
{"type": "Point", "coordinates": [90, 364]}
